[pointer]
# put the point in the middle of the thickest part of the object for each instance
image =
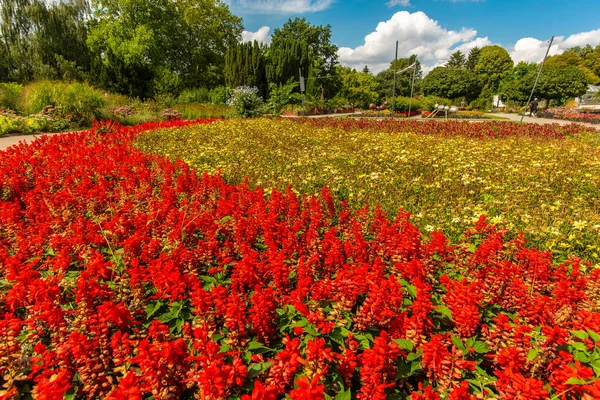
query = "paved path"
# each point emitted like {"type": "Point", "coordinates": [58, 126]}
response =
{"type": "Point", "coordinates": [10, 140]}
{"type": "Point", "coordinates": [544, 121]}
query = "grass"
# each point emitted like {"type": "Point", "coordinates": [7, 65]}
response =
{"type": "Point", "coordinates": [546, 187]}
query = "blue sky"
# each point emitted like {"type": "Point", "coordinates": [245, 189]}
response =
{"type": "Point", "coordinates": [433, 29]}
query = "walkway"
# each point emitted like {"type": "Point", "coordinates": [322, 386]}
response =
{"type": "Point", "coordinates": [10, 140]}
{"type": "Point", "coordinates": [543, 121]}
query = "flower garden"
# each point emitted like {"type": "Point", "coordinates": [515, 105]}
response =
{"type": "Point", "coordinates": [235, 260]}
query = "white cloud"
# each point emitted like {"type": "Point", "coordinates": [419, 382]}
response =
{"type": "Point", "coordinates": [417, 34]}
{"type": "Point", "coordinates": [261, 35]}
{"type": "Point", "coordinates": [403, 3]}
{"type": "Point", "coordinates": [280, 6]}
{"type": "Point", "coordinates": [533, 50]}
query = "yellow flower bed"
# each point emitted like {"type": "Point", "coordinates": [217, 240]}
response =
{"type": "Point", "coordinates": [548, 188]}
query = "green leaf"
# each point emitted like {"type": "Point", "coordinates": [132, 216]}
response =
{"type": "Point", "coordinates": [595, 337]}
{"type": "Point", "coordinates": [411, 289]}
{"type": "Point", "coordinates": [472, 248]}
{"type": "Point", "coordinates": [224, 348]}
{"type": "Point", "coordinates": [579, 346]}
{"type": "Point", "coordinates": [580, 334]}
{"type": "Point", "coordinates": [258, 348]}
{"type": "Point", "coordinates": [50, 252]}
{"type": "Point", "coordinates": [445, 311]}
{"type": "Point", "coordinates": [404, 344]}
{"type": "Point", "coordinates": [481, 347]}
{"type": "Point", "coordinates": [152, 308]}
{"type": "Point", "coordinates": [258, 368]}
{"type": "Point", "coordinates": [347, 395]}
{"type": "Point", "coordinates": [458, 343]}
{"type": "Point", "coordinates": [532, 354]}
{"type": "Point", "coordinates": [225, 219]}
{"type": "Point", "coordinates": [576, 381]}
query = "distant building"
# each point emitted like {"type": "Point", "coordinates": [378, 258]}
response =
{"type": "Point", "coordinates": [591, 98]}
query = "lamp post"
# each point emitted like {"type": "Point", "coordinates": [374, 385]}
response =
{"type": "Point", "coordinates": [412, 66]}
{"type": "Point", "coordinates": [538, 76]}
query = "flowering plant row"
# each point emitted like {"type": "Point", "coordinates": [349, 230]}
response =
{"type": "Point", "coordinates": [124, 275]}
{"type": "Point", "coordinates": [489, 129]}
{"type": "Point", "coordinates": [571, 115]}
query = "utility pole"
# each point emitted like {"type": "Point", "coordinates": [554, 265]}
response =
{"type": "Point", "coordinates": [538, 75]}
{"type": "Point", "coordinates": [394, 89]}
{"type": "Point", "coordinates": [412, 88]}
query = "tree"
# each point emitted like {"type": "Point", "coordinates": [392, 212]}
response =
{"type": "Point", "coordinates": [285, 59]}
{"type": "Point", "coordinates": [359, 88]}
{"type": "Point", "coordinates": [514, 86]}
{"type": "Point", "coordinates": [560, 83]}
{"type": "Point", "coordinates": [473, 58]}
{"type": "Point", "coordinates": [366, 70]}
{"type": "Point", "coordinates": [245, 66]}
{"type": "Point", "coordinates": [385, 78]}
{"type": "Point", "coordinates": [493, 64]}
{"type": "Point", "coordinates": [40, 39]}
{"type": "Point", "coordinates": [322, 54]}
{"type": "Point", "coordinates": [176, 40]}
{"type": "Point", "coordinates": [457, 60]}
{"type": "Point", "coordinates": [451, 83]}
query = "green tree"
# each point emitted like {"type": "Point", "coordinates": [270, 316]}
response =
{"type": "Point", "coordinates": [245, 66]}
{"type": "Point", "coordinates": [136, 40]}
{"type": "Point", "coordinates": [473, 58]}
{"type": "Point", "coordinates": [285, 59]}
{"type": "Point", "coordinates": [457, 60]}
{"type": "Point", "coordinates": [560, 83]}
{"type": "Point", "coordinates": [359, 88]}
{"type": "Point", "coordinates": [514, 87]}
{"type": "Point", "coordinates": [493, 64]}
{"type": "Point", "coordinates": [321, 53]}
{"type": "Point", "coordinates": [451, 83]}
{"type": "Point", "coordinates": [385, 78]}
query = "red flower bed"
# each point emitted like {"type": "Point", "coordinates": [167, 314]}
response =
{"type": "Point", "coordinates": [123, 275]}
{"type": "Point", "coordinates": [571, 115]}
{"type": "Point", "coordinates": [491, 129]}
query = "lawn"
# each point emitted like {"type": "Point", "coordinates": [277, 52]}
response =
{"type": "Point", "coordinates": [542, 180]}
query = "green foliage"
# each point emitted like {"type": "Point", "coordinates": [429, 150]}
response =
{"type": "Point", "coordinates": [385, 78]}
{"type": "Point", "coordinates": [493, 64]}
{"type": "Point", "coordinates": [31, 124]}
{"type": "Point", "coordinates": [359, 88]}
{"type": "Point", "coordinates": [245, 66]}
{"type": "Point", "coordinates": [428, 103]}
{"type": "Point", "coordinates": [136, 41]}
{"type": "Point", "coordinates": [199, 95]}
{"type": "Point", "coordinates": [471, 62]}
{"type": "Point", "coordinates": [321, 56]}
{"type": "Point", "coordinates": [279, 96]}
{"type": "Point", "coordinates": [403, 103]}
{"type": "Point", "coordinates": [451, 83]}
{"type": "Point", "coordinates": [79, 101]}
{"type": "Point", "coordinates": [220, 95]}
{"type": "Point", "coordinates": [246, 102]}
{"type": "Point", "coordinates": [285, 58]}
{"type": "Point", "coordinates": [9, 95]}
{"type": "Point", "coordinates": [457, 60]}
{"type": "Point", "coordinates": [557, 82]}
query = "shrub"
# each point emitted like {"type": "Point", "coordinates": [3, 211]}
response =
{"type": "Point", "coordinates": [199, 95]}
{"type": "Point", "coordinates": [220, 95]}
{"type": "Point", "coordinates": [428, 103]}
{"type": "Point", "coordinates": [279, 96]}
{"type": "Point", "coordinates": [9, 95]}
{"type": "Point", "coordinates": [79, 102]}
{"type": "Point", "coordinates": [246, 102]}
{"type": "Point", "coordinates": [403, 103]}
